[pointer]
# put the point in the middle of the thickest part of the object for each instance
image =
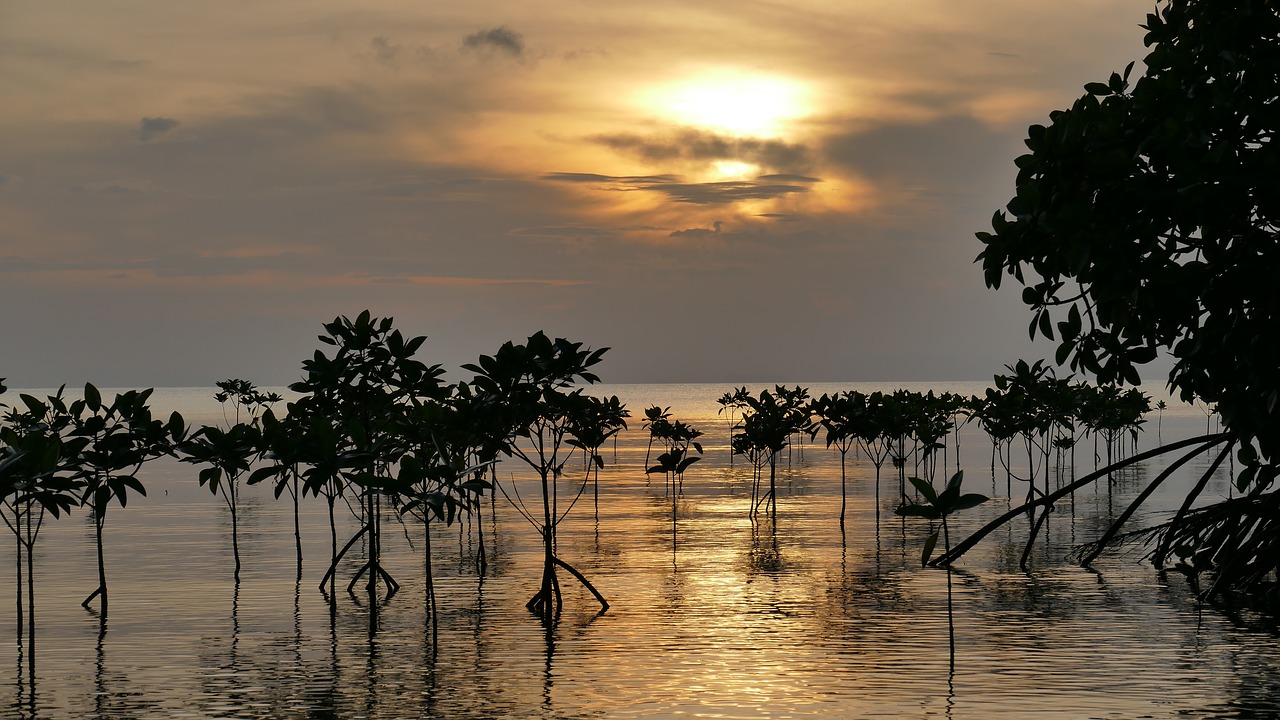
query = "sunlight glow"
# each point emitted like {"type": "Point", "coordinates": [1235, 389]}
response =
{"type": "Point", "coordinates": [731, 102]}
{"type": "Point", "coordinates": [733, 170]}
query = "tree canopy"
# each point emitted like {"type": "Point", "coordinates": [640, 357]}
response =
{"type": "Point", "coordinates": [1146, 218]}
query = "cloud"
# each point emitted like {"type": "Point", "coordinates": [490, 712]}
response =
{"type": "Point", "coordinates": [151, 127]}
{"type": "Point", "coordinates": [720, 193]}
{"type": "Point", "coordinates": [383, 51]}
{"type": "Point", "coordinates": [698, 232]}
{"type": "Point", "coordinates": [955, 154]}
{"type": "Point", "coordinates": [499, 39]}
{"type": "Point", "coordinates": [765, 187]}
{"type": "Point", "coordinates": [690, 144]}
{"type": "Point", "coordinates": [636, 180]}
{"type": "Point", "coordinates": [783, 177]}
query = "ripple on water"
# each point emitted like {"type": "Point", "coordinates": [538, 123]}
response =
{"type": "Point", "coordinates": [712, 615]}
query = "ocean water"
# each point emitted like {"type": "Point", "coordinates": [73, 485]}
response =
{"type": "Point", "coordinates": [711, 615]}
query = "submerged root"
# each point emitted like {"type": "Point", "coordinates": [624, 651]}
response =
{"type": "Point", "coordinates": [1201, 443]}
{"type": "Point", "coordinates": [378, 571]}
{"type": "Point", "coordinates": [1236, 541]}
{"type": "Point", "coordinates": [548, 598]}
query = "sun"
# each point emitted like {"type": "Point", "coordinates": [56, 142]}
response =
{"type": "Point", "coordinates": [730, 102]}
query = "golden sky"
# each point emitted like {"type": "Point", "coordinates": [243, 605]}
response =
{"type": "Point", "coordinates": [736, 191]}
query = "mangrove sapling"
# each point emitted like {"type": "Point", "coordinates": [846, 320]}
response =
{"type": "Point", "coordinates": [431, 487]}
{"type": "Point", "coordinates": [676, 439]}
{"type": "Point", "coordinates": [483, 433]}
{"type": "Point", "coordinates": [286, 443]}
{"type": "Point", "coordinates": [367, 388]}
{"type": "Point", "coordinates": [729, 403]}
{"type": "Point", "coordinates": [526, 386]}
{"type": "Point", "coordinates": [117, 439]}
{"type": "Point", "coordinates": [229, 454]}
{"type": "Point", "coordinates": [840, 416]}
{"type": "Point", "coordinates": [1024, 396]}
{"type": "Point", "coordinates": [796, 400]}
{"type": "Point", "coordinates": [930, 423]}
{"type": "Point", "coordinates": [743, 444]}
{"type": "Point", "coordinates": [996, 422]}
{"type": "Point", "coordinates": [327, 465]}
{"type": "Point", "coordinates": [673, 464]}
{"type": "Point", "coordinates": [872, 432]}
{"type": "Point", "coordinates": [601, 421]}
{"type": "Point", "coordinates": [461, 431]}
{"type": "Point", "coordinates": [245, 398]}
{"type": "Point", "coordinates": [767, 425]}
{"type": "Point", "coordinates": [938, 506]}
{"type": "Point", "coordinates": [35, 479]}
{"type": "Point", "coordinates": [657, 420]}
{"type": "Point", "coordinates": [959, 413]}
{"type": "Point", "coordinates": [433, 481]}
{"type": "Point", "coordinates": [896, 423]}
{"type": "Point", "coordinates": [1160, 406]}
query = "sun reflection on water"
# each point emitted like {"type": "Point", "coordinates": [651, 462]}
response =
{"type": "Point", "coordinates": [714, 617]}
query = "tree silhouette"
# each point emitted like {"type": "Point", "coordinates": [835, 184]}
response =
{"type": "Point", "coordinates": [117, 438]}
{"type": "Point", "coordinates": [768, 422]}
{"type": "Point", "coordinates": [601, 420]}
{"type": "Point", "coordinates": [528, 387]}
{"type": "Point", "coordinates": [839, 415]}
{"type": "Point", "coordinates": [676, 437]}
{"type": "Point", "coordinates": [939, 506]}
{"type": "Point", "coordinates": [1145, 221]}
{"type": "Point", "coordinates": [729, 404]}
{"type": "Point", "coordinates": [359, 400]}
{"type": "Point", "coordinates": [35, 480]}
{"type": "Point", "coordinates": [228, 455]}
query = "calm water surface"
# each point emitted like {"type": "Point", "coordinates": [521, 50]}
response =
{"type": "Point", "coordinates": [712, 618]}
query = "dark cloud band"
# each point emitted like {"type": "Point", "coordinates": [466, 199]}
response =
{"type": "Point", "coordinates": [690, 144]}
{"type": "Point", "coordinates": [765, 187]}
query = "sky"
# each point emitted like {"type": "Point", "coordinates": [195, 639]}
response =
{"type": "Point", "coordinates": [718, 191]}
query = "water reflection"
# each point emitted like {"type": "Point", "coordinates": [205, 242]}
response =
{"type": "Point", "coordinates": [712, 614]}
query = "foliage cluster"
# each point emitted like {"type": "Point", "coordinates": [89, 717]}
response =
{"type": "Point", "coordinates": [372, 426]}
{"type": "Point", "coordinates": [1145, 222]}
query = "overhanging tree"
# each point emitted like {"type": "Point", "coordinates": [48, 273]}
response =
{"type": "Point", "coordinates": [1146, 219]}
